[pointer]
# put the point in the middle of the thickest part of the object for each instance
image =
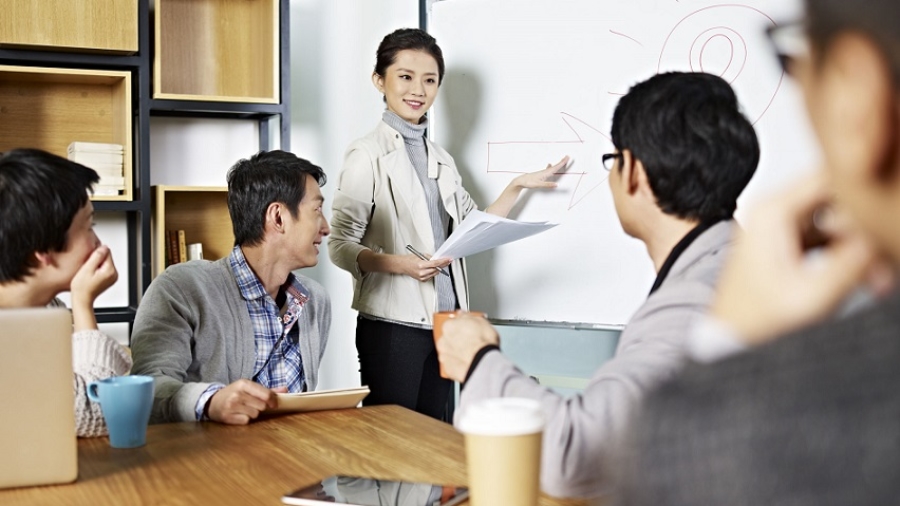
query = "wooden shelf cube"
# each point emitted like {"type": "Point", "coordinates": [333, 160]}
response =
{"type": "Point", "coordinates": [201, 211]}
{"type": "Point", "coordinates": [109, 26]}
{"type": "Point", "coordinates": [217, 50]}
{"type": "Point", "coordinates": [48, 108]}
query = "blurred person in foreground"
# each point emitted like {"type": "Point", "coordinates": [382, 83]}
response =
{"type": "Point", "coordinates": [810, 415]}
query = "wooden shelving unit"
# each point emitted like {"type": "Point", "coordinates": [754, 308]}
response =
{"type": "Point", "coordinates": [48, 108]}
{"type": "Point", "coordinates": [109, 26]}
{"type": "Point", "coordinates": [81, 70]}
{"type": "Point", "coordinates": [217, 50]}
{"type": "Point", "coordinates": [201, 211]}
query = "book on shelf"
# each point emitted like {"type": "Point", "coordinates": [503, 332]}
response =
{"type": "Point", "coordinates": [171, 247]}
{"type": "Point", "coordinates": [107, 169]}
{"type": "Point", "coordinates": [89, 158]}
{"type": "Point", "coordinates": [106, 147]}
{"type": "Point", "coordinates": [117, 181]}
{"type": "Point", "coordinates": [182, 247]}
{"type": "Point", "coordinates": [101, 190]}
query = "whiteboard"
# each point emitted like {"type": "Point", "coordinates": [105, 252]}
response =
{"type": "Point", "coordinates": [529, 81]}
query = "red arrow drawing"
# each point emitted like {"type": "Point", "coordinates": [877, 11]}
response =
{"type": "Point", "coordinates": [585, 149]}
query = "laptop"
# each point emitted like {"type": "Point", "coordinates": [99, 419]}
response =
{"type": "Point", "coordinates": [37, 401]}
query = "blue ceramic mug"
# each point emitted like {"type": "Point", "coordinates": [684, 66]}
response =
{"type": "Point", "coordinates": [126, 403]}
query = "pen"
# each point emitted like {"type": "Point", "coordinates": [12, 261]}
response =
{"type": "Point", "coordinates": [416, 253]}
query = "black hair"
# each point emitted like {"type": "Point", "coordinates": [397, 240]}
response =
{"type": "Point", "coordinates": [40, 194]}
{"type": "Point", "coordinates": [876, 18]}
{"type": "Point", "coordinates": [265, 178]}
{"type": "Point", "coordinates": [698, 150]}
{"type": "Point", "coordinates": [407, 38]}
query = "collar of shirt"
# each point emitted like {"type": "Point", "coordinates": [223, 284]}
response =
{"type": "Point", "coordinates": [679, 248]}
{"type": "Point", "coordinates": [252, 289]}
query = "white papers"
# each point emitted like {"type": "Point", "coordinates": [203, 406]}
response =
{"type": "Point", "coordinates": [482, 231]}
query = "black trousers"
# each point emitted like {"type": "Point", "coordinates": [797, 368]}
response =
{"type": "Point", "coordinates": [399, 364]}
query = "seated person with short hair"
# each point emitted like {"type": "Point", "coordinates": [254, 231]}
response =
{"type": "Point", "coordinates": [684, 153]}
{"type": "Point", "coordinates": [222, 338]}
{"type": "Point", "coordinates": [49, 247]}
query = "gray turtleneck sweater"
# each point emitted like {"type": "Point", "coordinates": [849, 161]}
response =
{"type": "Point", "coordinates": [414, 138]}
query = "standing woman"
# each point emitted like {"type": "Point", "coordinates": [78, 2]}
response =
{"type": "Point", "coordinates": [396, 189]}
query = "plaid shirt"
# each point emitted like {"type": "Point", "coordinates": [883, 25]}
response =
{"type": "Point", "coordinates": [277, 339]}
{"type": "Point", "coordinates": [278, 361]}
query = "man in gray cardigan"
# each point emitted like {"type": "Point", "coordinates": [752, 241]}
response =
{"type": "Point", "coordinates": [811, 414]}
{"type": "Point", "coordinates": [222, 338]}
{"type": "Point", "coordinates": [684, 153]}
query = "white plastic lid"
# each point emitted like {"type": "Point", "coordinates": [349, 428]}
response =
{"type": "Point", "coordinates": [507, 416]}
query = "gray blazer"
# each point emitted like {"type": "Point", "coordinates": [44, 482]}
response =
{"type": "Point", "coordinates": [812, 419]}
{"type": "Point", "coordinates": [580, 429]}
{"type": "Point", "coordinates": [192, 329]}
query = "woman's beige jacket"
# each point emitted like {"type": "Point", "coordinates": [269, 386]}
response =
{"type": "Point", "coordinates": [379, 204]}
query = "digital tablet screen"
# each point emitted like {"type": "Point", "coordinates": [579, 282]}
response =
{"type": "Point", "coordinates": [374, 492]}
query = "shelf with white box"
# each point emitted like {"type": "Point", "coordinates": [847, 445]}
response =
{"type": "Point", "coordinates": [52, 108]}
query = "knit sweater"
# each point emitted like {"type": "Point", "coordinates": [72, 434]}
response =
{"type": "Point", "coordinates": [95, 356]}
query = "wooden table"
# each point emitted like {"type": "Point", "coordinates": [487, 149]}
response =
{"type": "Point", "coordinates": [208, 463]}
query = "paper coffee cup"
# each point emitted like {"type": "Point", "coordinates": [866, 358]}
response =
{"type": "Point", "coordinates": [503, 451]}
{"type": "Point", "coordinates": [438, 321]}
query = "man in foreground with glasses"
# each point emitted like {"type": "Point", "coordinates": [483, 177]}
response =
{"type": "Point", "coordinates": [222, 338]}
{"type": "Point", "coordinates": [812, 415]}
{"type": "Point", "coordinates": [684, 153]}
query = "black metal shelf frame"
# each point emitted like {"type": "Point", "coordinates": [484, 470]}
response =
{"type": "Point", "coordinates": [70, 60]}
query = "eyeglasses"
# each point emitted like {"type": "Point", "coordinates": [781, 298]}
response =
{"type": "Point", "coordinates": [790, 43]}
{"type": "Point", "coordinates": [609, 160]}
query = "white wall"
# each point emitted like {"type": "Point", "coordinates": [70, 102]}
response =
{"type": "Point", "coordinates": [333, 47]}
{"type": "Point", "coordinates": [198, 152]}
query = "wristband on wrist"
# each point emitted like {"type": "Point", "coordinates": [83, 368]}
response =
{"type": "Point", "coordinates": [478, 356]}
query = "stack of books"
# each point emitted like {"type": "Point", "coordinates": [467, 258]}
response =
{"type": "Point", "coordinates": [106, 159]}
{"type": "Point", "coordinates": [176, 247]}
